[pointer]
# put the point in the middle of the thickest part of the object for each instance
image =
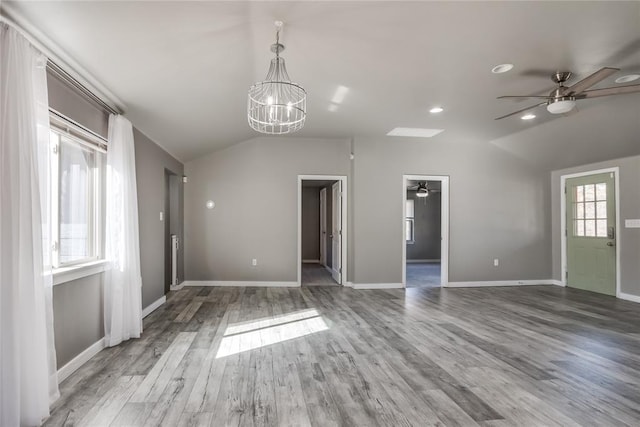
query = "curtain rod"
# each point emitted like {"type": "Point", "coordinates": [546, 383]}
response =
{"type": "Point", "coordinates": [57, 69]}
{"type": "Point", "coordinates": [69, 79]}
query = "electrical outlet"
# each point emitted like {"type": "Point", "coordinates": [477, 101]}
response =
{"type": "Point", "coordinates": [254, 262]}
{"type": "Point", "coordinates": [496, 262]}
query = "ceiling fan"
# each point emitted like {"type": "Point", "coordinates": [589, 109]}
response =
{"type": "Point", "coordinates": [563, 99]}
{"type": "Point", "coordinates": [421, 189]}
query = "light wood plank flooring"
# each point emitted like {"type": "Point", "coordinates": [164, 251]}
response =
{"type": "Point", "coordinates": [423, 274]}
{"type": "Point", "coordinates": [522, 356]}
{"type": "Point", "coordinates": [316, 275]}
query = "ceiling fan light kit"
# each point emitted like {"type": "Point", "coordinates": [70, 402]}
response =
{"type": "Point", "coordinates": [276, 105]}
{"type": "Point", "coordinates": [563, 99]}
{"type": "Point", "coordinates": [561, 105]}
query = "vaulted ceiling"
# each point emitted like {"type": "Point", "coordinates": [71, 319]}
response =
{"type": "Point", "coordinates": [182, 69]}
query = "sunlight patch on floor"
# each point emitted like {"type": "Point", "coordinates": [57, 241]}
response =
{"type": "Point", "coordinates": [243, 337]}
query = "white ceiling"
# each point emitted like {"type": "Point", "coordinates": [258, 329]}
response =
{"type": "Point", "coordinates": [182, 69]}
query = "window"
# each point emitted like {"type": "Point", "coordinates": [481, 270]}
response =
{"type": "Point", "coordinates": [409, 221]}
{"type": "Point", "coordinates": [590, 210]}
{"type": "Point", "coordinates": [76, 202]}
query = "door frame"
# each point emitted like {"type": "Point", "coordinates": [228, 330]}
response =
{"type": "Point", "coordinates": [563, 220]}
{"type": "Point", "coordinates": [323, 226]}
{"type": "Point", "coordinates": [343, 237]}
{"type": "Point", "coordinates": [444, 225]}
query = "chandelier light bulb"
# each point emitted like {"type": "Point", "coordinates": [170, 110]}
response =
{"type": "Point", "coordinates": [277, 105]}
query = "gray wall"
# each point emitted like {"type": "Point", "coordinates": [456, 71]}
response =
{"type": "Point", "coordinates": [255, 187]}
{"type": "Point", "coordinates": [310, 223]}
{"type": "Point", "coordinates": [628, 238]}
{"type": "Point", "coordinates": [426, 245]}
{"type": "Point", "coordinates": [77, 316]}
{"type": "Point", "coordinates": [151, 162]}
{"type": "Point", "coordinates": [499, 208]}
{"type": "Point", "coordinates": [77, 305]}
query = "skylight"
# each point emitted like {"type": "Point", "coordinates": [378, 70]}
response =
{"type": "Point", "coordinates": [415, 132]}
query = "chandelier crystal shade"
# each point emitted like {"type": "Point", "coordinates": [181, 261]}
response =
{"type": "Point", "coordinates": [276, 105]}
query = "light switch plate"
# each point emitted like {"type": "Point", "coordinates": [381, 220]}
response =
{"type": "Point", "coordinates": [632, 223]}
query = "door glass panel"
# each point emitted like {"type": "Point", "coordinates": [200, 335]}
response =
{"type": "Point", "coordinates": [601, 191]}
{"type": "Point", "coordinates": [589, 193]}
{"type": "Point", "coordinates": [580, 193]}
{"type": "Point", "coordinates": [601, 228]}
{"type": "Point", "coordinates": [579, 210]}
{"type": "Point", "coordinates": [589, 210]}
{"type": "Point", "coordinates": [590, 228]}
{"type": "Point", "coordinates": [601, 210]}
{"type": "Point", "coordinates": [579, 228]}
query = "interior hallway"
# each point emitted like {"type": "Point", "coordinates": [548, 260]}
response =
{"type": "Point", "coordinates": [316, 275]}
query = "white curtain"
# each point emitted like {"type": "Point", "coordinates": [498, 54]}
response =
{"type": "Point", "coordinates": [123, 284]}
{"type": "Point", "coordinates": [28, 380]}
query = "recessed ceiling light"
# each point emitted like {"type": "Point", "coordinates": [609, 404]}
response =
{"type": "Point", "coordinates": [436, 110]}
{"type": "Point", "coordinates": [415, 132]}
{"type": "Point", "coordinates": [628, 78]}
{"type": "Point", "coordinates": [528, 117]}
{"type": "Point", "coordinates": [502, 68]}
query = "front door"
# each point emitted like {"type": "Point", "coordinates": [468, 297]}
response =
{"type": "Point", "coordinates": [591, 233]}
{"type": "Point", "coordinates": [336, 232]}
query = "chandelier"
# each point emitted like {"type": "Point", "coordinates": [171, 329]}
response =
{"type": "Point", "coordinates": [277, 105]}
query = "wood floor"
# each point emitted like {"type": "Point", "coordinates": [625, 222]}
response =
{"type": "Point", "coordinates": [316, 275]}
{"type": "Point", "coordinates": [423, 274]}
{"type": "Point", "coordinates": [522, 356]}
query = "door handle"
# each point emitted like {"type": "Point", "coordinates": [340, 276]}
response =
{"type": "Point", "coordinates": [610, 244]}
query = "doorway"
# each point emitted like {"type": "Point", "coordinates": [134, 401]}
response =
{"type": "Point", "coordinates": [425, 231]}
{"type": "Point", "coordinates": [321, 230]}
{"type": "Point", "coordinates": [590, 223]}
{"type": "Point", "coordinates": [172, 222]}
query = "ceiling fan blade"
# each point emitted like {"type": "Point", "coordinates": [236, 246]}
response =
{"type": "Point", "coordinates": [521, 111]}
{"type": "Point", "coordinates": [619, 90]}
{"type": "Point", "coordinates": [587, 82]}
{"type": "Point", "coordinates": [524, 96]}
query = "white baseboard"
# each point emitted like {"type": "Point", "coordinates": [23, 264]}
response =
{"type": "Point", "coordinates": [311, 261]}
{"type": "Point", "coordinates": [75, 363]}
{"type": "Point", "coordinates": [348, 284]}
{"type": "Point", "coordinates": [490, 283]}
{"type": "Point", "coordinates": [329, 269]}
{"type": "Point", "coordinates": [557, 283]}
{"type": "Point", "coordinates": [421, 261]}
{"type": "Point", "coordinates": [629, 297]}
{"type": "Point", "coordinates": [377, 285]}
{"type": "Point", "coordinates": [246, 283]}
{"type": "Point", "coordinates": [153, 306]}
{"type": "Point", "coordinates": [176, 287]}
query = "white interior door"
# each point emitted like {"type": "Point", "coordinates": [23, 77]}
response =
{"type": "Point", "coordinates": [336, 232]}
{"type": "Point", "coordinates": [323, 227]}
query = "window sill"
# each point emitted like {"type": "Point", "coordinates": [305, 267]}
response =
{"type": "Point", "coordinates": [67, 274]}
